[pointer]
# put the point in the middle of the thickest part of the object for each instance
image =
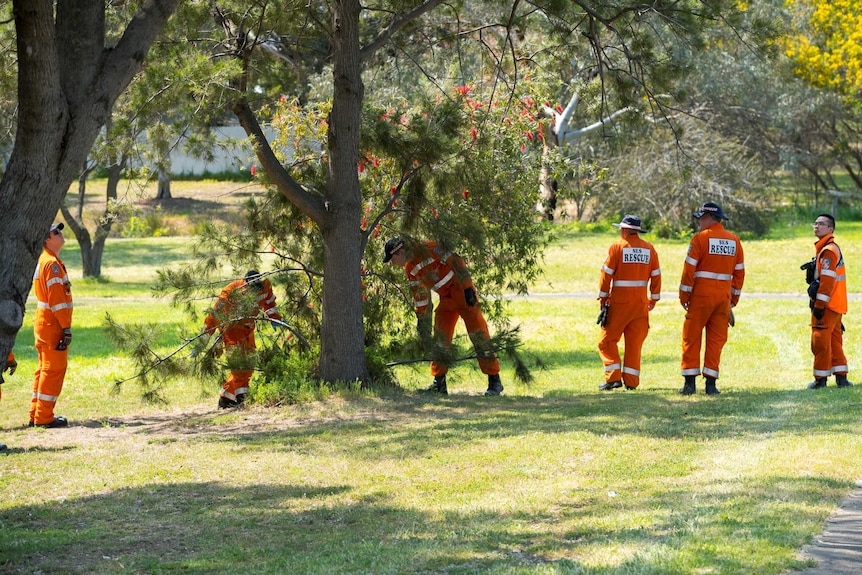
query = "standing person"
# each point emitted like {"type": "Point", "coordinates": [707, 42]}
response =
{"type": "Point", "coordinates": [629, 288]}
{"type": "Point", "coordinates": [430, 266]}
{"type": "Point", "coordinates": [52, 330]}
{"type": "Point", "coordinates": [11, 366]}
{"type": "Point", "coordinates": [234, 316]}
{"type": "Point", "coordinates": [711, 284]}
{"type": "Point", "coordinates": [828, 293]}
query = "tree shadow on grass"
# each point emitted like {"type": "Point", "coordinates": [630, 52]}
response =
{"type": "Point", "coordinates": [212, 527]}
{"type": "Point", "coordinates": [419, 425]}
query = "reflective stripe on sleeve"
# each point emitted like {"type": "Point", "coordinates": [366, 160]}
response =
{"type": "Point", "coordinates": [56, 280]}
{"type": "Point", "coordinates": [604, 294]}
{"type": "Point", "coordinates": [630, 283]}
{"type": "Point", "coordinates": [607, 270]}
{"type": "Point", "coordinates": [444, 281]}
{"type": "Point", "coordinates": [690, 260]}
{"type": "Point", "coordinates": [655, 272]}
{"type": "Point", "coordinates": [685, 288]}
{"type": "Point", "coordinates": [59, 306]}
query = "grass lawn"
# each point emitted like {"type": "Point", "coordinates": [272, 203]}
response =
{"type": "Point", "coordinates": [554, 477]}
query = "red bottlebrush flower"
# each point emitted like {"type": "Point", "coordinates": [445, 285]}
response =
{"type": "Point", "coordinates": [434, 213]}
{"type": "Point", "coordinates": [465, 193]}
{"type": "Point", "coordinates": [546, 104]}
{"type": "Point", "coordinates": [530, 136]}
{"type": "Point", "coordinates": [364, 223]}
{"type": "Point", "coordinates": [361, 167]}
{"type": "Point", "coordinates": [283, 99]}
{"type": "Point", "coordinates": [523, 148]}
{"type": "Point", "coordinates": [253, 169]}
{"type": "Point", "coordinates": [403, 120]}
{"type": "Point", "coordinates": [559, 109]}
{"type": "Point", "coordinates": [508, 120]}
{"type": "Point", "coordinates": [376, 162]}
{"type": "Point", "coordinates": [474, 133]}
{"type": "Point", "coordinates": [541, 135]}
{"type": "Point", "coordinates": [392, 190]}
{"type": "Point", "coordinates": [528, 101]}
{"type": "Point", "coordinates": [463, 90]}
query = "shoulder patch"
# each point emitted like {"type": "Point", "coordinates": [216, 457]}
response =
{"type": "Point", "coordinates": [55, 269]}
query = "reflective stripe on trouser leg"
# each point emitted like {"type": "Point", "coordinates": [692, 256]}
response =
{"type": "Point", "coordinates": [445, 319]}
{"type": "Point", "coordinates": [711, 315]}
{"type": "Point", "coordinates": [47, 381]}
{"type": "Point", "coordinates": [236, 382]}
{"type": "Point", "coordinates": [609, 343]}
{"type": "Point", "coordinates": [827, 344]}
{"type": "Point", "coordinates": [635, 334]}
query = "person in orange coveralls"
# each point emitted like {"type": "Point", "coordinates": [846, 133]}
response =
{"type": "Point", "coordinates": [711, 284]}
{"type": "Point", "coordinates": [11, 366]}
{"type": "Point", "coordinates": [828, 293]}
{"type": "Point", "coordinates": [629, 288]}
{"type": "Point", "coordinates": [430, 266]}
{"type": "Point", "coordinates": [52, 330]}
{"type": "Point", "coordinates": [234, 316]}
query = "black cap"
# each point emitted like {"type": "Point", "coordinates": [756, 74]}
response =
{"type": "Point", "coordinates": [710, 208]}
{"type": "Point", "coordinates": [391, 247]}
{"type": "Point", "coordinates": [252, 278]}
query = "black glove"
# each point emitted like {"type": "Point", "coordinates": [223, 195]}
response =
{"type": "Point", "coordinates": [818, 312]}
{"type": "Point", "coordinates": [65, 340]}
{"type": "Point", "coordinates": [809, 268]}
{"type": "Point", "coordinates": [470, 296]}
{"type": "Point", "coordinates": [603, 316]}
{"type": "Point", "coordinates": [11, 366]}
{"type": "Point", "coordinates": [731, 319]}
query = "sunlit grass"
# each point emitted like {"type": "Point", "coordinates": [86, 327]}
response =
{"type": "Point", "coordinates": [554, 477]}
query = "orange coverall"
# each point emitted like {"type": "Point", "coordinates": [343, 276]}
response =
{"type": "Point", "coordinates": [234, 317]}
{"type": "Point", "coordinates": [435, 268]}
{"type": "Point", "coordinates": [631, 266]}
{"type": "Point", "coordinates": [53, 314]}
{"type": "Point", "coordinates": [827, 341]}
{"type": "Point", "coordinates": [711, 284]}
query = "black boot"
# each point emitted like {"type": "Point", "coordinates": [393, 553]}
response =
{"type": "Point", "coordinates": [688, 387]}
{"type": "Point", "coordinates": [841, 380]}
{"type": "Point", "coordinates": [495, 387]}
{"type": "Point", "coordinates": [225, 403]}
{"type": "Point", "coordinates": [818, 383]}
{"type": "Point", "coordinates": [711, 389]}
{"type": "Point", "coordinates": [439, 386]}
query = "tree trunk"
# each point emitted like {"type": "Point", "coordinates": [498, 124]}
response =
{"type": "Point", "coordinates": [67, 84]}
{"type": "Point", "coordinates": [342, 336]}
{"type": "Point", "coordinates": [164, 189]}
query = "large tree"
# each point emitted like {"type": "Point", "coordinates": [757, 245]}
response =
{"type": "Point", "coordinates": [421, 45]}
{"type": "Point", "coordinates": [69, 77]}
